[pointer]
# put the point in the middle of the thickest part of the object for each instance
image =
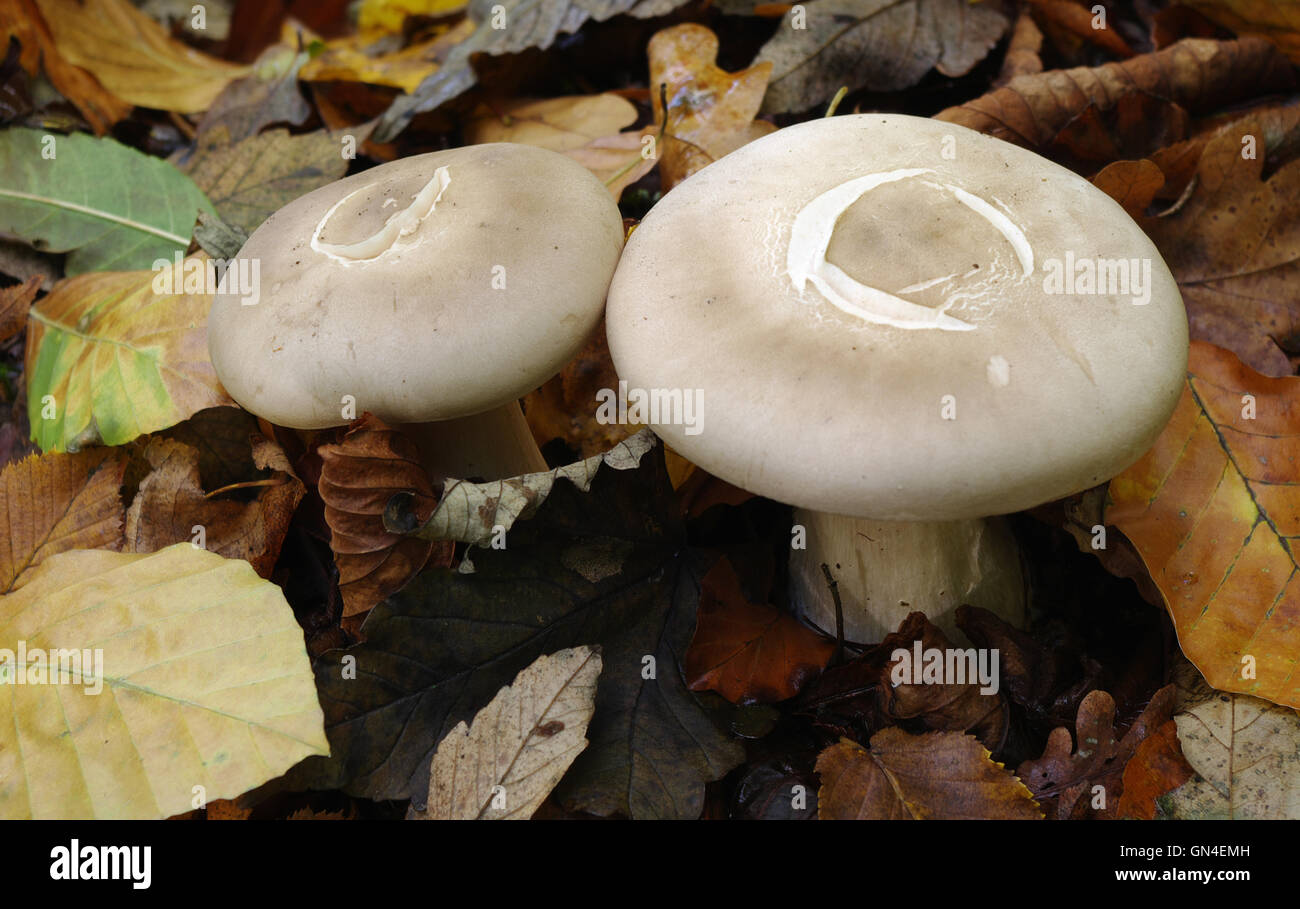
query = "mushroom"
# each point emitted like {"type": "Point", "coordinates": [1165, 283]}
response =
{"type": "Point", "coordinates": [889, 322]}
{"type": "Point", "coordinates": [432, 291]}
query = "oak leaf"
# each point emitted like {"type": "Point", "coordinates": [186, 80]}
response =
{"type": "Point", "coordinates": [710, 111]}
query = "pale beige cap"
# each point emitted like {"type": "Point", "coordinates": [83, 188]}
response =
{"type": "Point", "coordinates": [865, 304]}
{"type": "Point", "coordinates": [433, 287]}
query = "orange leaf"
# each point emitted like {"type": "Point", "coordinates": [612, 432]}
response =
{"type": "Point", "coordinates": [710, 111]}
{"type": "Point", "coordinates": [1157, 767]}
{"type": "Point", "coordinates": [747, 652]}
{"type": "Point", "coordinates": [358, 476]}
{"type": "Point", "coordinates": [1214, 510]}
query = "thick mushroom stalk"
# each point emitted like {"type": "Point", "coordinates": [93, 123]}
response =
{"type": "Point", "coordinates": [491, 445]}
{"type": "Point", "coordinates": [885, 569]}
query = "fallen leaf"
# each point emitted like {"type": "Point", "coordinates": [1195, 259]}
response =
{"type": "Point", "coordinates": [532, 23]}
{"type": "Point", "coordinates": [747, 652]}
{"type": "Point", "coordinates": [370, 465]}
{"type": "Point", "coordinates": [359, 58]}
{"type": "Point", "coordinates": [948, 706]}
{"type": "Point", "coordinates": [134, 57]}
{"type": "Point", "coordinates": [559, 124]}
{"type": "Point", "coordinates": [1023, 50]}
{"type": "Point", "coordinates": [266, 96]}
{"type": "Point", "coordinates": [1195, 75]}
{"type": "Point", "coordinates": [107, 205]}
{"type": "Point", "coordinates": [607, 566]}
{"type": "Point", "coordinates": [710, 111]}
{"type": "Point", "coordinates": [1212, 509]}
{"type": "Point", "coordinates": [777, 790]}
{"type": "Point", "coordinates": [1278, 22]}
{"type": "Point", "coordinates": [504, 765]}
{"type": "Point", "coordinates": [472, 512]}
{"type": "Point", "coordinates": [878, 45]}
{"type": "Point", "coordinates": [936, 776]}
{"type": "Point", "coordinates": [1156, 768]}
{"type": "Point", "coordinates": [22, 19]}
{"type": "Point", "coordinates": [205, 675]}
{"type": "Point", "coordinates": [1082, 22]}
{"type": "Point", "coordinates": [1245, 752]}
{"type": "Point", "coordinates": [14, 304]}
{"type": "Point", "coordinates": [1234, 248]}
{"type": "Point", "coordinates": [56, 502]}
{"type": "Point", "coordinates": [108, 360]}
{"type": "Point", "coordinates": [1066, 777]}
{"type": "Point", "coordinates": [171, 507]}
{"type": "Point", "coordinates": [619, 160]}
{"type": "Point", "coordinates": [251, 179]}
{"type": "Point", "coordinates": [390, 15]}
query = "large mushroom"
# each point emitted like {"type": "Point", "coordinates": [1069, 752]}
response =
{"type": "Point", "coordinates": [890, 321]}
{"type": "Point", "coordinates": [433, 291]}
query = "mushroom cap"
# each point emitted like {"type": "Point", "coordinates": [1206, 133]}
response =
{"type": "Point", "coordinates": [865, 306]}
{"type": "Point", "coordinates": [433, 287]}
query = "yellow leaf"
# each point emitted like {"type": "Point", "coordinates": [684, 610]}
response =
{"type": "Point", "coordinates": [109, 359]}
{"type": "Point", "coordinates": [354, 58]}
{"type": "Point", "coordinates": [1214, 510]}
{"type": "Point", "coordinates": [1279, 22]}
{"type": "Point", "coordinates": [190, 671]}
{"type": "Point", "coordinates": [389, 15]}
{"type": "Point", "coordinates": [134, 57]}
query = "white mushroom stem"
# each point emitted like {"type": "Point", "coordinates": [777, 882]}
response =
{"type": "Point", "coordinates": [886, 569]}
{"type": "Point", "coordinates": [492, 445]}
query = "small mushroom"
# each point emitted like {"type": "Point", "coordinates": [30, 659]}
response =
{"type": "Point", "coordinates": [901, 327]}
{"type": "Point", "coordinates": [433, 292]}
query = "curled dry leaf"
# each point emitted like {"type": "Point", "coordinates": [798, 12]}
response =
{"type": "Point", "coordinates": [55, 502]}
{"type": "Point", "coordinates": [1022, 57]}
{"type": "Point", "coordinates": [108, 359]}
{"type": "Point", "coordinates": [949, 706]}
{"type": "Point", "coordinates": [748, 652]}
{"type": "Point", "coordinates": [1214, 511]}
{"type": "Point", "coordinates": [1196, 75]}
{"type": "Point", "coordinates": [134, 57]}
{"type": "Point", "coordinates": [1278, 22]}
{"type": "Point", "coordinates": [710, 111]}
{"type": "Point", "coordinates": [471, 512]}
{"type": "Point", "coordinates": [879, 45]}
{"type": "Point", "coordinates": [939, 776]}
{"type": "Point", "coordinates": [371, 464]}
{"type": "Point", "coordinates": [1064, 779]}
{"type": "Point", "coordinates": [505, 764]}
{"type": "Point", "coordinates": [171, 507]}
{"type": "Point", "coordinates": [1083, 23]}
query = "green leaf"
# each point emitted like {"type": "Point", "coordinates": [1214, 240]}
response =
{"type": "Point", "coordinates": [607, 567]}
{"type": "Point", "coordinates": [189, 671]}
{"type": "Point", "coordinates": [107, 205]}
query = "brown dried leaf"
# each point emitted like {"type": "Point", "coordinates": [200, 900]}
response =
{"type": "Point", "coordinates": [710, 111]}
{"type": "Point", "coordinates": [1157, 767]}
{"type": "Point", "coordinates": [1079, 21]}
{"type": "Point", "coordinates": [1279, 22]}
{"type": "Point", "coordinates": [1022, 57]}
{"type": "Point", "coordinates": [55, 502]}
{"type": "Point", "coordinates": [1194, 75]}
{"type": "Point", "coordinates": [358, 476]}
{"type": "Point", "coordinates": [939, 775]}
{"type": "Point", "coordinates": [14, 303]}
{"type": "Point", "coordinates": [748, 652]}
{"type": "Point", "coordinates": [1063, 779]}
{"type": "Point", "coordinates": [171, 507]}
{"type": "Point", "coordinates": [879, 45]}
{"type": "Point", "coordinates": [946, 707]}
